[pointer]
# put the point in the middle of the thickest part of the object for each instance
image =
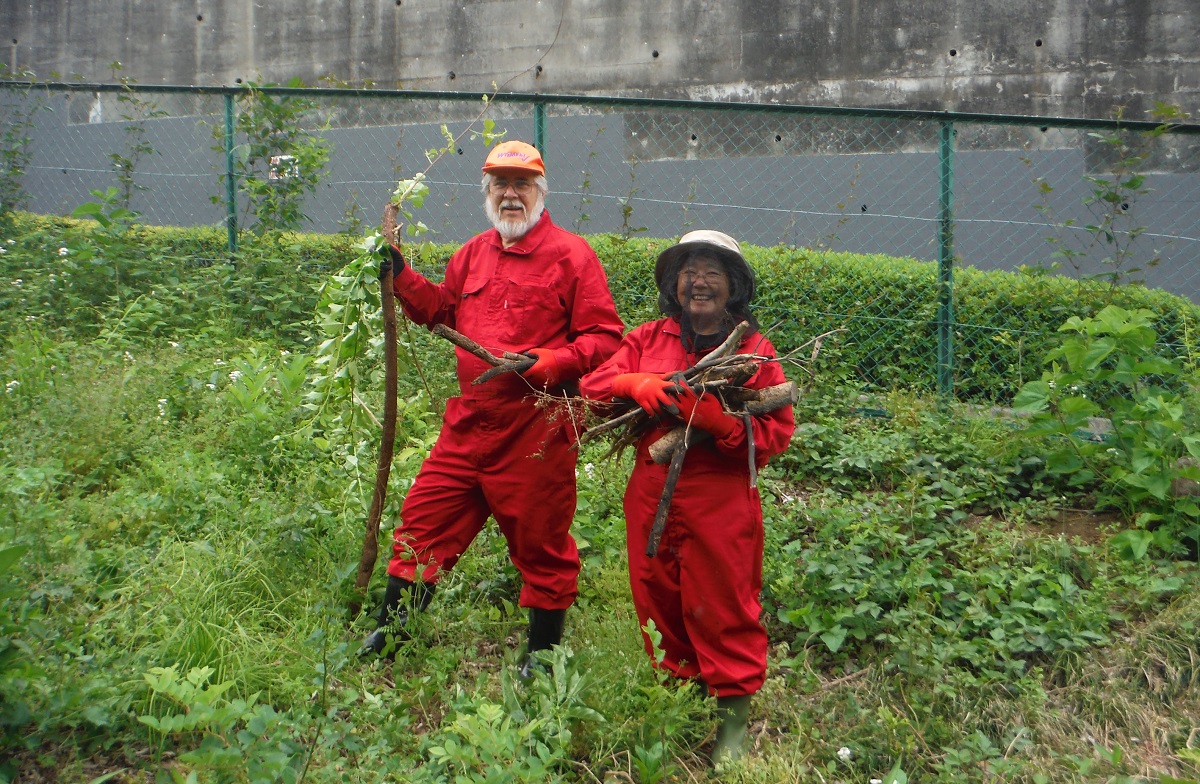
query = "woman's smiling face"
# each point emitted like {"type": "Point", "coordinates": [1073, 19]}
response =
{"type": "Point", "coordinates": [702, 289]}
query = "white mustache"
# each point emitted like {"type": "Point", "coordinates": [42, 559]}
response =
{"type": "Point", "coordinates": [516, 205]}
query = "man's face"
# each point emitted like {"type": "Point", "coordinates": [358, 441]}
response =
{"type": "Point", "coordinates": [514, 203]}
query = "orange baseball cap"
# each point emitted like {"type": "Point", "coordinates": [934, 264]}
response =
{"type": "Point", "coordinates": [515, 155]}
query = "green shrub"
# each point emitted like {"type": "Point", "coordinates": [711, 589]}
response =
{"type": "Point", "coordinates": [1113, 367]}
{"type": "Point", "coordinates": [171, 279]}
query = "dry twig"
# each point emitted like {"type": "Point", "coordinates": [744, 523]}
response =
{"type": "Point", "coordinates": [505, 363]}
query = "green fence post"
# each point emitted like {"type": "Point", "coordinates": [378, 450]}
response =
{"type": "Point", "coordinates": [230, 177]}
{"type": "Point", "coordinates": [945, 335]}
{"type": "Point", "coordinates": [539, 127]}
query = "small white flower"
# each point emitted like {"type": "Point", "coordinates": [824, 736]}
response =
{"type": "Point", "coordinates": [11, 242]}
{"type": "Point", "coordinates": [11, 385]}
{"type": "Point", "coordinates": [234, 375]}
{"type": "Point", "coordinates": [17, 282]}
{"type": "Point", "coordinates": [844, 753]}
{"type": "Point", "coordinates": [129, 358]}
{"type": "Point", "coordinates": [876, 781]}
{"type": "Point", "coordinates": [590, 470]}
{"type": "Point", "coordinates": [3, 250]}
{"type": "Point", "coordinates": [31, 318]}
{"type": "Point", "coordinates": [172, 344]}
{"type": "Point", "coordinates": [284, 352]}
{"type": "Point", "coordinates": [63, 251]}
{"type": "Point", "coordinates": [211, 386]}
{"type": "Point", "coordinates": [220, 362]}
{"type": "Point", "coordinates": [162, 407]}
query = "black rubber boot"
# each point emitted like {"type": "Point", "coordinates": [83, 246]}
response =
{"type": "Point", "coordinates": [545, 631]}
{"type": "Point", "coordinates": [733, 719]}
{"type": "Point", "coordinates": [400, 599]}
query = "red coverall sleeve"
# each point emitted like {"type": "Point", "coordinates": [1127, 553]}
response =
{"type": "Point", "coordinates": [595, 328]}
{"type": "Point", "coordinates": [597, 385]}
{"type": "Point", "coordinates": [425, 302]}
{"type": "Point", "coordinates": [773, 430]}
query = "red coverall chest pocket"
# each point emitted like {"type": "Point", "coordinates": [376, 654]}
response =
{"type": "Point", "coordinates": [530, 309]}
{"type": "Point", "coordinates": [649, 362]}
{"type": "Point", "coordinates": [502, 312]}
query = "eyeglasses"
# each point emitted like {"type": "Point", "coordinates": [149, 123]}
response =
{"type": "Point", "coordinates": [710, 277]}
{"type": "Point", "coordinates": [522, 187]}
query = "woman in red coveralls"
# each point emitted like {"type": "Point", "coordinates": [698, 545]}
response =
{"type": "Point", "coordinates": [702, 588]}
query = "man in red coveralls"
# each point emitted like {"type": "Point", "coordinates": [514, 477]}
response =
{"type": "Point", "coordinates": [524, 286]}
{"type": "Point", "coordinates": [702, 588]}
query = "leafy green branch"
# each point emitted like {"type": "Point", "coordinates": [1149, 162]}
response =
{"type": "Point", "coordinates": [136, 112]}
{"type": "Point", "coordinates": [349, 321]}
{"type": "Point", "coordinates": [1113, 411]}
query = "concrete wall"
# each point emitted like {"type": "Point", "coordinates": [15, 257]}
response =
{"type": "Point", "coordinates": [1071, 58]}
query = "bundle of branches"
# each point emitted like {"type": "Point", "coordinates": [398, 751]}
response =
{"type": "Point", "coordinates": [721, 372]}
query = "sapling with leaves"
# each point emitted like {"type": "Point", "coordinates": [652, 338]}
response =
{"type": "Point", "coordinates": [354, 317]}
{"type": "Point", "coordinates": [136, 113]}
{"type": "Point", "coordinates": [1116, 186]}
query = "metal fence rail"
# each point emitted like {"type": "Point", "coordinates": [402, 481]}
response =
{"type": "Point", "coordinates": [1081, 198]}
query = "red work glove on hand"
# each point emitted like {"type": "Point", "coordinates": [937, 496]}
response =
{"type": "Point", "coordinates": [650, 391]}
{"type": "Point", "coordinates": [705, 412]}
{"type": "Point", "coordinates": [544, 372]}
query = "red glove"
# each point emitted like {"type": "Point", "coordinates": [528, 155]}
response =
{"type": "Point", "coordinates": [705, 412]}
{"type": "Point", "coordinates": [650, 391]}
{"type": "Point", "coordinates": [544, 372]}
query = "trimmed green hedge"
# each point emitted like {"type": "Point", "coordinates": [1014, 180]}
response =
{"type": "Point", "coordinates": [885, 306]}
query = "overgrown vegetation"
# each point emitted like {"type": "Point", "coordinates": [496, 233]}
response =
{"type": "Point", "coordinates": [181, 507]}
{"type": "Point", "coordinates": [18, 117]}
{"type": "Point", "coordinates": [280, 161]}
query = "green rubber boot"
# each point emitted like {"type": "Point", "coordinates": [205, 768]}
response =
{"type": "Point", "coordinates": [733, 719]}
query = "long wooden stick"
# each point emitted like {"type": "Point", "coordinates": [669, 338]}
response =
{"type": "Point", "coordinates": [370, 549]}
{"type": "Point", "coordinates": [509, 361]}
{"type": "Point", "coordinates": [517, 366]}
{"type": "Point", "coordinates": [466, 344]}
{"type": "Point", "coordinates": [664, 501]}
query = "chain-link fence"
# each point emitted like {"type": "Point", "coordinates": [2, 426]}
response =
{"type": "Point", "coordinates": [1080, 199]}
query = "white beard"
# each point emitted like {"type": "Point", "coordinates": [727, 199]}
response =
{"type": "Point", "coordinates": [513, 229]}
